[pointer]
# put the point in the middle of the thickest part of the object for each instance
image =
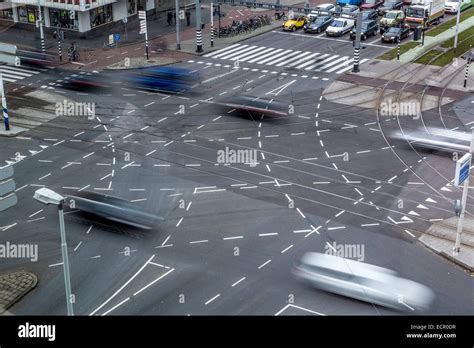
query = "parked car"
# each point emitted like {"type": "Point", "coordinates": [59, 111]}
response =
{"type": "Point", "coordinates": [390, 5]}
{"type": "Point", "coordinates": [396, 33]}
{"type": "Point", "coordinates": [391, 19]}
{"type": "Point", "coordinates": [320, 10]}
{"type": "Point", "coordinates": [371, 4]}
{"type": "Point", "coordinates": [369, 14]}
{"type": "Point", "coordinates": [325, 7]}
{"type": "Point", "coordinates": [294, 24]}
{"type": "Point", "coordinates": [407, 2]}
{"type": "Point", "coordinates": [369, 28]}
{"type": "Point", "coordinates": [339, 27]}
{"type": "Point", "coordinates": [363, 281]}
{"type": "Point", "coordinates": [318, 25]}
{"type": "Point", "coordinates": [348, 10]}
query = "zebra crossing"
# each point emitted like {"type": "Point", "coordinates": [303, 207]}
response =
{"type": "Point", "coordinates": [13, 73]}
{"type": "Point", "coordinates": [279, 57]}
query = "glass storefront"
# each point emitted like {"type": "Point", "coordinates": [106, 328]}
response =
{"type": "Point", "coordinates": [62, 19]}
{"type": "Point", "coordinates": [6, 14]}
{"type": "Point", "coordinates": [27, 14]}
{"type": "Point", "coordinates": [101, 15]}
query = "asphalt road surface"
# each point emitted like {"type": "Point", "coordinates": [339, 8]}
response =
{"type": "Point", "coordinates": [232, 232]}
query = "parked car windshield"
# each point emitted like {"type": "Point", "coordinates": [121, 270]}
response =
{"type": "Point", "coordinates": [391, 15]}
{"type": "Point", "coordinates": [338, 24]}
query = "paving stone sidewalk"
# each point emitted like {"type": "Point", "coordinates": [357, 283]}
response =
{"type": "Point", "coordinates": [14, 286]}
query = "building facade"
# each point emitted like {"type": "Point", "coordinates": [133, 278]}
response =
{"type": "Point", "coordinates": [74, 15]}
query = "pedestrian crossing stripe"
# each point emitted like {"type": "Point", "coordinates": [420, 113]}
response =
{"type": "Point", "coordinates": [13, 73]}
{"type": "Point", "coordinates": [279, 57]}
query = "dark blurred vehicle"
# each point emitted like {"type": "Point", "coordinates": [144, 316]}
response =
{"type": "Point", "coordinates": [390, 5]}
{"type": "Point", "coordinates": [363, 281]}
{"type": "Point", "coordinates": [37, 59]}
{"type": "Point", "coordinates": [253, 105]}
{"type": "Point", "coordinates": [369, 14]}
{"type": "Point", "coordinates": [371, 4]}
{"type": "Point", "coordinates": [87, 81]}
{"type": "Point", "coordinates": [369, 28]}
{"type": "Point", "coordinates": [396, 33]}
{"type": "Point", "coordinates": [163, 79]}
{"type": "Point", "coordinates": [113, 208]}
{"type": "Point", "coordinates": [318, 24]}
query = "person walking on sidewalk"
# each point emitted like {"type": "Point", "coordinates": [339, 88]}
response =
{"type": "Point", "coordinates": [170, 17]}
{"type": "Point", "coordinates": [188, 18]}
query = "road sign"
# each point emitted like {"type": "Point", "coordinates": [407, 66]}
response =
{"type": "Point", "coordinates": [141, 14]}
{"type": "Point", "coordinates": [142, 26]}
{"type": "Point", "coordinates": [111, 39]}
{"type": "Point", "coordinates": [117, 37]}
{"type": "Point", "coordinates": [463, 166]}
{"type": "Point", "coordinates": [125, 20]}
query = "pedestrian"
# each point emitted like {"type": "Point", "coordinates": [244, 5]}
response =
{"type": "Point", "coordinates": [174, 17]}
{"type": "Point", "coordinates": [170, 17]}
{"type": "Point", "coordinates": [188, 18]}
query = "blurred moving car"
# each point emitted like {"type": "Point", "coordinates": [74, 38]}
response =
{"type": "Point", "coordinates": [451, 6]}
{"type": "Point", "coordinates": [86, 81]}
{"type": "Point", "coordinates": [255, 105]}
{"type": "Point", "coordinates": [435, 139]}
{"type": "Point", "coordinates": [163, 79]}
{"type": "Point", "coordinates": [114, 209]}
{"type": "Point", "coordinates": [363, 281]}
{"type": "Point", "coordinates": [318, 24]}
{"type": "Point", "coordinates": [395, 34]}
{"type": "Point", "coordinates": [369, 28]}
{"type": "Point", "coordinates": [339, 27]}
{"type": "Point", "coordinates": [37, 59]}
{"type": "Point", "coordinates": [294, 24]}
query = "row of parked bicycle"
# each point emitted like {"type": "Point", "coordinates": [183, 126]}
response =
{"type": "Point", "coordinates": [244, 26]}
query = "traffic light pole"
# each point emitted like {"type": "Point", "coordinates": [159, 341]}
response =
{"type": "Point", "coordinates": [198, 27]}
{"type": "Point", "coordinates": [4, 105]}
{"type": "Point", "coordinates": [178, 42]}
{"type": "Point", "coordinates": [40, 20]}
{"type": "Point", "coordinates": [357, 43]}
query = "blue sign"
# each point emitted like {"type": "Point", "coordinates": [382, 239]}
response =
{"type": "Point", "coordinates": [464, 173]}
{"type": "Point", "coordinates": [116, 37]}
{"type": "Point", "coordinates": [463, 166]}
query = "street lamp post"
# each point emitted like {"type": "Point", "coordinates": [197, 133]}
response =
{"type": "Point", "coordinates": [48, 196]}
{"type": "Point", "coordinates": [458, 15]}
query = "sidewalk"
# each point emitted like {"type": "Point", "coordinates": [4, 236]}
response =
{"type": "Point", "coordinates": [441, 238]}
{"type": "Point", "coordinates": [13, 287]}
{"type": "Point", "coordinates": [432, 41]}
{"type": "Point", "coordinates": [161, 37]}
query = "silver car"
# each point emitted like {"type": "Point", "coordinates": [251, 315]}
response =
{"type": "Point", "coordinates": [363, 282]}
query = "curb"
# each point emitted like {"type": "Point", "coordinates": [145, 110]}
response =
{"type": "Point", "coordinates": [448, 257]}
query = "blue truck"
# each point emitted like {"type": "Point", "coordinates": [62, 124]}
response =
{"type": "Point", "coordinates": [348, 2]}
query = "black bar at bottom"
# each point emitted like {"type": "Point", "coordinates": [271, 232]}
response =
{"type": "Point", "coordinates": [429, 331]}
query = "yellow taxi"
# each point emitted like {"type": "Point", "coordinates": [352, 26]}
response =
{"type": "Point", "coordinates": [293, 24]}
